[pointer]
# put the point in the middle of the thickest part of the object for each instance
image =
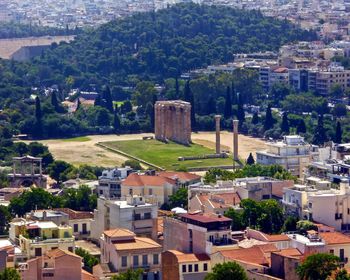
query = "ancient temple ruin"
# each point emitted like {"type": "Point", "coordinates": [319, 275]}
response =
{"type": "Point", "coordinates": [173, 121]}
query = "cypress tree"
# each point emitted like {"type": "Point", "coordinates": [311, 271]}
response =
{"type": "Point", "coordinates": [301, 128]}
{"type": "Point", "coordinates": [188, 95]}
{"type": "Point", "coordinates": [255, 118]}
{"type": "Point", "coordinates": [211, 106]}
{"type": "Point", "coordinates": [108, 100]}
{"type": "Point", "coordinates": [240, 113]}
{"type": "Point", "coordinates": [150, 113]}
{"type": "Point", "coordinates": [116, 120]}
{"type": "Point", "coordinates": [98, 100]}
{"type": "Point", "coordinates": [228, 104]}
{"type": "Point", "coordinates": [319, 137]}
{"type": "Point", "coordinates": [285, 123]}
{"type": "Point", "coordinates": [234, 95]}
{"type": "Point", "coordinates": [250, 159]}
{"type": "Point", "coordinates": [54, 102]}
{"type": "Point", "coordinates": [78, 104]}
{"type": "Point", "coordinates": [338, 134]}
{"type": "Point", "coordinates": [38, 117]}
{"type": "Point", "coordinates": [269, 120]}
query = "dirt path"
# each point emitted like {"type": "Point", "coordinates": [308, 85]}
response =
{"type": "Point", "coordinates": [87, 152]}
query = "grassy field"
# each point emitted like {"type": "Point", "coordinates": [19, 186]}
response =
{"type": "Point", "coordinates": [166, 155]}
{"type": "Point", "coordinates": [77, 139]}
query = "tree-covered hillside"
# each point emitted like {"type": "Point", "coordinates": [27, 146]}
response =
{"type": "Point", "coordinates": [157, 45]}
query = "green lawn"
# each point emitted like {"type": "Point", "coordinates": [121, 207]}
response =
{"type": "Point", "coordinates": [166, 155]}
{"type": "Point", "coordinates": [77, 139]}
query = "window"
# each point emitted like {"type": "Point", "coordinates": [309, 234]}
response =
{"type": "Point", "coordinates": [101, 191]}
{"type": "Point", "coordinates": [76, 228]}
{"type": "Point", "coordinates": [137, 217]}
{"type": "Point", "coordinates": [341, 254]}
{"type": "Point", "coordinates": [150, 192]}
{"type": "Point", "coordinates": [155, 259]}
{"type": "Point", "coordinates": [124, 261]}
{"type": "Point", "coordinates": [331, 251]}
{"type": "Point", "coordinates": [147, 215]}
{"type": "Point", "coordinates": [205, 267]}
{"type": "Point", "coordinates": [48, 274]}
{"type": "Point", "coordinates": [196, 268]}
{"type": "Point", "coordinates": [190, 268]}
{"type": "Point", "coordinates": [135, 260]}
{"type": "Point", "coordinates": [70, 249]}
{"type": "Point", "coordinates": [144, 260]}
{"type": "Point", "coordinates": [130, 191]}
{"type": "Point", "coordinates": [183, 268]}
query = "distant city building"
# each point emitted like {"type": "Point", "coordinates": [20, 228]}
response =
{"type": "Point", "coordinates": [133, 213]}
{"type": "Point", "coordinates": [109, 183]}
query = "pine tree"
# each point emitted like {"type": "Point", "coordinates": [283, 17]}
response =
{"type": "Point", "coordinates": [255, 118]}
{"type": "Point", "coordinates": [285, 123]}
{"type": "Point", "coordinates": [250, 159]}
{"type": "Point", "coordinates": [188, 95]}
{"type": "Point", "coordinates": [150, 113]}
{"type": "Point", "coordinates": [301, 128]}
{"type": "Point", "coordinates": [240, 114]}
{"type": "Point", "coordinates": [269, 120]}
{"type": "Point", "coordinates": [108, 100]}
{"type": "Point", "coordinates": [116, 120]}
{"type": "Point", "coordinates": [54, 102]}
{"type": "Point", "coordinates": [319, 137]}
{"type": "Point", "coordinates": [78, 104]}
{"type": "Point", "coordinates": [38, 117]}
{"type": "Point", "coordinates": [228, 104]}
{"type": "Point", "coordinates": [234, 94]}
{"type": "Point", "coordinates": [338, 133]}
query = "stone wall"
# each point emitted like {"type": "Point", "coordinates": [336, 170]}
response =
{"type": "Point", "coordinates": [173, 121]}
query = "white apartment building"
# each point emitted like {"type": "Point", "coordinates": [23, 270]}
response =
{"type": "Point", "coordinates": [132, 213]}
{"type": "Point", "coordinates": [109, 183]}
{"type": "Point", "coordinates": [331, 207]}
{"type": "Point", "coordinates": [293, 153]}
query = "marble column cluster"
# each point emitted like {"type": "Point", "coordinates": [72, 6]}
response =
{"type": "Point", "coordinates": [173, 121]}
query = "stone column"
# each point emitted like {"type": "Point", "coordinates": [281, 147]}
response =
{"type": "Point", "coordinates": [217, 128]}
{"type": "Point", "coordinates": [235, 140]}
{"type": "Point", "coordinates": [156, 121]}
{"type": "Point", "coordinates": [162, 121]}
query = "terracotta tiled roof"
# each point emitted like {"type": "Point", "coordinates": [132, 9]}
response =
{"type": "Point", "coordinates": [138, 243]}
{"type": "Point", "coordinates": [267, 248]}
{"type": "Point", "coordinates": [183, 258]}
{"type": "Point", "coordinates": [205, 218]}
{"type": "Point", "coordinates": [76, 215]}
{"type": "Point", "coordinates": [276, 237]}
{"type": "Point", "coordinates": [335, 238]}
{"type": "Point", "coordinates": [57, 253]}
{"type": "Point", "coordinates": [136, 180]}
{"type": "Point", "coordinates": [254, 255]}
{"type": "Point", "coordinates": [183, 176]}
{"type": "Point", "coordinates": [87, 276]}
{"type": "Point", "coordinates": [119, 232]}
{"type": "Point", "coordinates": [225, 199]}
{"type": "Point", "coordinates": [289, 252]}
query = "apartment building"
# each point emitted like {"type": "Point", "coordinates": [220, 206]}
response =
{"type": "Point", "coordinates": [109, 183]}
{"type": "Point", "coordinates": [35, 238]}
{"type": "Point", "coordinates": [80, 221]}
{"type": "Point", "coordinates": [154, 188]}
{"type": "Point", "coordinates": [295, 200]}
{"type": "Point", "coordinates": [121, 249]}
{"type": "Point", "coordinates": [56, 264]}
{"type": "Point", "coordinates": [180, 266]}
{"type": "Point", "coordinates": [293, 153]}
{"type": "Point", "coordinates": [132, 213]}
{"type": "Point", "coordinates": [197, 233]}
{"type": "Point", "coordinates": [325, 80]}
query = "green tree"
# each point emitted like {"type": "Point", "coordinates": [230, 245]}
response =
{"type": "Point", "coordinates": [58, 168]}
{"type": "Point", "coordinates": [35, 198]}
{"type": "Point", "coordinates": [338, 133]}
{"type": "Point", "coordinates": [318, 266]}
{"type": "Point", "coordinates": [116, 121]}
{"type": "Point", "coordinates": [179, 198]}
{"type": "Point", "coordinates": [250, 159]}
{"type": "Point", "coordinates": [10, 274]}
{"type": "Point", "coordinates": [226, 271]}
{"type": "Point", "coordinates": [301, 128]}
{"type": "Point", "coordinates": [285, 123]}
{"type": "Point", "coordinates": [290, 224]}
{"type": "Point", "coordinates": [5, 218]}
{"type": "Point", "coordinates": [130, 274]}
{"type": "Point", "coordinates": [319, 137]}
{"type": "Point", "coordinates": [304, 225]}
{"type": "Point", "coordinates": [228, 104]}
{"type": "Point", "coordinates": [269, 120]}
{"type": "Point", "coordinates": [54, 102]}
{"type": "Point", "coordinates": [336, 90]}
{"type": "Point", "coordinates": [150, 113]}
{"type": "Point", "coordinates": [342, 275]}
{"type": "Point", "coordinates": [237, 220]}
{"type": "Point", "coordinates": [255, 118]}
{"type": "Point", "coordinates": [188, 95]}
{"type": "Point", "coordinates": [134, 164]}
{"type": "Point", "coordinates": [38, 132]}
{"type": "Point", "coordinates": [107, 96]}
{"type": "Point", "coordinates": [89, 260]}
